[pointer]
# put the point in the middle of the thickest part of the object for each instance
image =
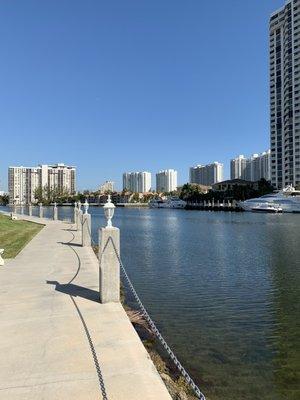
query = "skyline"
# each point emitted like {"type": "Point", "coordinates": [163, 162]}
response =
{"type": "Point", "coordinates": [135, 86]}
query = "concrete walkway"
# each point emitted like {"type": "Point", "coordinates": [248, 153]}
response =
{"type": "Point", "coordinates": [56, 340]}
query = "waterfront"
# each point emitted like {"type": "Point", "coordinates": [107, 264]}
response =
{"type": "Point", "coordinates": [223, 288]}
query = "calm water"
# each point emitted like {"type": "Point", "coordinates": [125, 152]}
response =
{"type": "Point", "coordinates": [224, 290]}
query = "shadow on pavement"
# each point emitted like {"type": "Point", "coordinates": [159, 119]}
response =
{"type": "Point", "coordinates": [76, 291]}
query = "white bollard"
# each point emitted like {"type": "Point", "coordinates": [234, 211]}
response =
{"type": "Point", "coordinates": [55, 212]}
{"type": "Point", "coordinates": [41, 212]}
{"type": "Point", "coordinates": [109, 255]}
{"type": "Point", "coordinates": [75, 213]}
{"type": "Point", "coordinates": [79, 220]}
{"type": "Point", "coordinates": [86, 230]}
{"type": "Point", "coordinates": [1, 259]}
{"type": "Point", "coordinates": [109, 265]}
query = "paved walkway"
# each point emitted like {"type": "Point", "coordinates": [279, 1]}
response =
{"type": "Point", "coordinates": [56, 340]}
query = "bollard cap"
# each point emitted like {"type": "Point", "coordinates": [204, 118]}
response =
{"type": "Point", "coordinates": [109, 209]}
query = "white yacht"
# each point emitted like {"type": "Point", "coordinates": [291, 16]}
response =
{"type": "Point", "coordinates": [286, 200]}
{"type": "Point", "coordinates": [267, 207]}
{"type": "Point", "coordinates": [170, 202]}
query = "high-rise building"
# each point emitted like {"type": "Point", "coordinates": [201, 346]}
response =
{"type": "Point", "coordinates": [253, 168]}
{"type": "Point", "coordinates": [166, 181]}
{"type": "Point", "coordinates": [139, 182]}
{"type": "Point", "coordinates": [207, 174]}
{"type": "Point", "coordinates": [265, 165]}
{"type": "Point", "coordinates": [23, 181]}
{"type": "Point", "coordinates": [238, 167]}
{"type": "Point", "coordinates": [284, 31]}
{"type": "Point", "coordinates": [107, 186]}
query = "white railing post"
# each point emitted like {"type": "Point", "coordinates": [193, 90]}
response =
{"type": "Point", "coordinates": [86, 226]}
{"type": "Point", "coordinates": [55, 212]}
{"type": "Point", "coordinates": [79, 217]}
{"type": "Point", "coordinates": [1, 259]}
{"type": "Point", "coordinates": [109, 254]}
{"type": "Point", "coordinates": [41, 211]}
{"type": "Point", "coordinates": [30, 210]}
{"type": "Point", "coordinates": [75, 213]}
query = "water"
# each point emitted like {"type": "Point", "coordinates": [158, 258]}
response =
{"type": "Point", "coordinates": [224, 290]}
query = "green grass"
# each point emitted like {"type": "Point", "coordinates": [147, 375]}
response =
{"type": "Point", "coordinates": [14, 235]}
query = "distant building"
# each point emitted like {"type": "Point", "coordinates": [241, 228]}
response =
{"type": "Point", "coordinates": [254, 168]}
{"type": "Point", "coordinates": [107, 186]}
{"type": "Point", "coordinates": [166, 181]}
{"type": "Point", "coordinates": [23, 181]}
{"type": "Point", "coordinates": [284, 28]}
{"type": "Point", "coordinates": [139, 182]}
{"type": "Point", "coordinates": [206, 174]}
{"type": "Point", "coordinates": [238, 167]}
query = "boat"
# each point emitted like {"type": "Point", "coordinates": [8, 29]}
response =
{"type": "Point", "coordinates": [170, 202]}
{"type": "Point", "coordinates": [285, 200]}
{"type": "Point", "coordinates": [267, 207]}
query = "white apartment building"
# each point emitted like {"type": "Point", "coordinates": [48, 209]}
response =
{"type": "Point", "coordinates": [166, 181]}
{"type": "Point", "coordinates": [23, 181]}
{"type": "Point", "coordinates": [138, 182]}
{"type": "Point", "coordinates": [254, 168]}
{"type": "Point", "coordinates": [284, 36]}
{"type": "Point", "coordinates": [107, 186]}
{"type": "Point", "coordinates": [207, 174]}
{"type": "Point", "coordinates": [238, 167]}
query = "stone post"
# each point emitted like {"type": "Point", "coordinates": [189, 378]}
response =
{"type": "Point", "coordinates": [79, 220]}
{"type": "Point", "coordinates": [1, 259]}
{"type": "Point", "coordinates": [41, 212]}
{"type": "Point", "coordinates": [75, 213]}
{"type": "Point", "coordinates": [86, 230]}
{"type": "Point", "coordinates": [213, 202]}
{"type": "Point", "coordinates": [218, 203]}
{"type": "Point", "coordinates": [109, 265]}
{"type": "Point", "coordinates": [30, 210]}
{"type": "Point", "coordinates": [22, 209]}
{"type": "Point", "coordinates": [55, 212]}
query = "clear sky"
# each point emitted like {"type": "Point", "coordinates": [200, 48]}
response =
{"type": "Point", "coordinates": [121, 85]}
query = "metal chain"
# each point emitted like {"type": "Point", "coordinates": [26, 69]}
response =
{"type": "Point", "coordinates": [83, 221]}
{"type": "Point", "coordinates": [154, 328]}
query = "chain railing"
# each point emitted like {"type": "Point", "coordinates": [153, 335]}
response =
{"type": "Point", "coordinates": [154, 328]}
{"type": "Point", "coordinates": [84, 221]}
{"type": "Point", "coordinates": [146, 315]}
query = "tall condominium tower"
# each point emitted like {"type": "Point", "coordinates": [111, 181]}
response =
{"type": "Point", "coordinates": [166, 180]}
{"type": "Point", "coordinates": [23, 181]}
{"type": "Point", "coordinates": [207, 174]}
{"type": "Point", "coordinates": [254, 168]}
{"type": "Point", "coordinates": [139, 182]}
{"type": "Point", "coordinates": [238, 167]}
{"type": "Point", "coordinates": [284, 29]}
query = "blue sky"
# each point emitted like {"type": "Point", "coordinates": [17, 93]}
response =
{"type": "Point", "coordinates": [114, 86]}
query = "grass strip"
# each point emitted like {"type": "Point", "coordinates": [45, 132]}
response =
{"type": "Point", "coordinates": [14, 235]}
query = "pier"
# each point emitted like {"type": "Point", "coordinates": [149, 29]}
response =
{"type": "Point", "coordinates": [214, 206]}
